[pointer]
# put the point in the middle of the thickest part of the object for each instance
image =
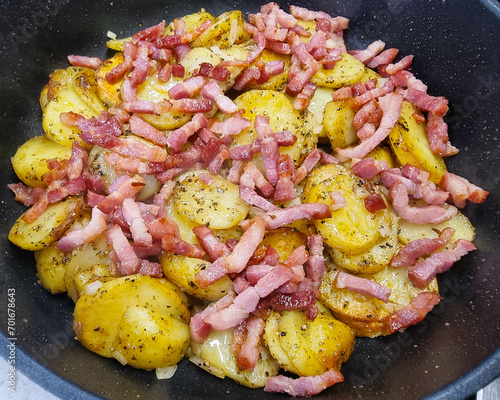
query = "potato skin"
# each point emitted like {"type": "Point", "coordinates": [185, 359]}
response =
{"type": "Point", "coordinates": [128, 309]}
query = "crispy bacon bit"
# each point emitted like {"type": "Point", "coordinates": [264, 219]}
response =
{"type": "Point", "coordinates": [86, 62]}
{"type": "Point", "coordinates": [305, 385]}
{"type": "Point", "coordinates": [414, 312]}
{"type": "Point", "coordinates": [423, 272]}
{"type": "Point", "coordinates": [431, 214]}
{"type": "Point", "coordinates": [248, 355]}
{"type": "Point", "coordinates": [315, 265]}
{"type": "Point", "coordinates": [78, 237]}
{"type": "Point", "coordinates": [461, 189]}
{"type": "Point", "coordinates": [363, 286]}
{"type": "Point", "coordinates": [128, 262]}
{"type": "Point", "coordinates": [409, 254]}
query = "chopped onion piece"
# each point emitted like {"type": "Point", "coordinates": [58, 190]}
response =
{"type": "Point", "coordinates": [166, 372]}
{"type": "Point", "coordinates": [92, 288]}
{"type": "Point", "coordinates": [120, 357]}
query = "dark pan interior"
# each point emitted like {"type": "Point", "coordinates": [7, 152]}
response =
{"type": "Point", "coordinates": [452, 354]}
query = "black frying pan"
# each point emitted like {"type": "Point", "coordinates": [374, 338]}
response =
{"type": "Point", "coordinates": [452, 354]}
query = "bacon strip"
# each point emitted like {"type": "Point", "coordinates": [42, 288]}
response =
{"type": "Point", "coordinates": [391, 105]}
{"type": "Point", "coordinates": [431, 214]}
{"type": "Point", "coordinates": [78, 237]}
{"type": "Point", "coordinates": [363, 286]}
{"type": "Point", "coordinates": [86, 62]}
{"type": "Point", "coordinates": [179, 137]}
{"type": "Point", "coordinates": [128, 262]}
{"type": "Point", "coordinates": [128, 187]}
{"type": "Point", "coordinates": [268, 147]}
{"type": "Point", "coordinates": [281, 217]}
{"type": "Point", "coordinates": [423, 272]}
{"type": "Point", "coordinates": [409, 254]}
{"type": "Point", "coordinates": [414, 312]}
{"type": "Point", "coordinates": [212, 246]}
{"type": "Point", "coordinates": [461, 189]}
{"type": "Point", "coordinates": [248, 355]}
{"type": "Point", "coordinates": [303, 386]}
{"type": "Point", "coordinates": [238, 259]}
{"type": "Point", "coordinates": [133, 216]}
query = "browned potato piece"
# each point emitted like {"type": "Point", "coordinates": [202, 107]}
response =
{"type": "Point", "coordinates": [48, 227]}
{"type": "Point", "coordinates": [51, 267]}
{"type": "Point", "coordinates": [366, 315]}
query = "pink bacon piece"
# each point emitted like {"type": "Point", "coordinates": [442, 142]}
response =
{"type": "Point", "coordinates": [409, 254]}
{"type": "Point", "coordinates": [78, 237]}
{"type": "Point", "coordinates": [128, 262]}
{"type": "Point", "coordinates": [248, 355]}
{"type": "Point", "coordinates": [417, 215]}
{"type": "Point", "coordinates": [128, 187]}
{"type": "Point", "coordinates": [212, 246]}
{"type": "Point", "coordinates": [133, 216]}
{"type": "Point", "coordinates": [86, 62]}
{"type": "Point", "coordinates": [268, 147]}
{"type": "Point", "coordinates": [414, 312]}
{"type": "Point", "coordinates": [362, 285]}
{"type": "Point", "coordinates": [303, 386]}
{"type": "Point", "coordinates": [461, 189]}
{"type": "Point", "coordinates": [423, 272]}
{"type": "Point", "coordinates": [187, 88]}
{"type": "Point", "coordinates": [179, 137]}
{"type": "Point", "coordinates": [391, 105]}
{"type": "Point", "coordinates": [239, 257]}
{"type": "Point", "coordinates": [212, 91]}
{"type": "Point", "coordinates": [281, 217]}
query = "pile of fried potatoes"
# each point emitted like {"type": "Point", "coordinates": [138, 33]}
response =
{"type": "Point", "coordinates": [143, 321]}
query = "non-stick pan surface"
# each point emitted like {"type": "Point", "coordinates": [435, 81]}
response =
{"type": "Point", "coordinates": [452, 354]}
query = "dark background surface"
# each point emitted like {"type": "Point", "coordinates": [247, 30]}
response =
{"type": "Point", "coordinates": [450, 355]}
